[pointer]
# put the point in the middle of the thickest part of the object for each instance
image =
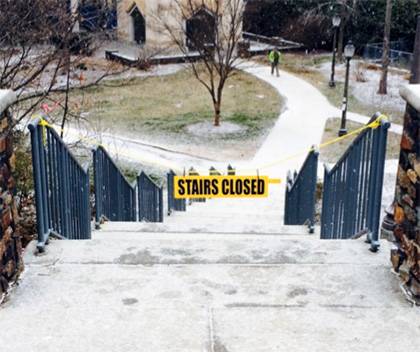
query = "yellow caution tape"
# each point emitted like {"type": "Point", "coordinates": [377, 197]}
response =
{"type": "Point", "coordinates": [373, 125]}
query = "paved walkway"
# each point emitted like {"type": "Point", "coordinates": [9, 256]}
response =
{"type": "Point", "coordinates": [299, 127]}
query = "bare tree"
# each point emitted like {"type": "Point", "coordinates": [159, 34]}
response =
{"type": "Point", "coordinates": [212, 29]}
{"type": "Point", "coordinates": [41, 53]}
{"type": "Point", "coordinates": [386, 47]}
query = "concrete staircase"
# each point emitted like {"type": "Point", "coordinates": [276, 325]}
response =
{"type": "Point", "coordinates": [225, 277]}
{"type": "Point", "coordinates": [126, 290]}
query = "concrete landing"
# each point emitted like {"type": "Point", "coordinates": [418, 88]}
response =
{"type": "Point", "coordinates": [213, 293]}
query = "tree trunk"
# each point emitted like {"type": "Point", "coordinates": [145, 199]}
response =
{"type": "Point", "coordinates": [415, 69]}
{"type": "Point", "coordinates": [385, 57]}
{"type": "Point", "coordinates": [340, 45]}
{"type": "Point", "coordinates": [217, 114]}
{"type": "Point", "coordinates": [343, 23]}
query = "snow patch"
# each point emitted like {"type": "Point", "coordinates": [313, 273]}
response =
{"type": "Point", "coordinates": [207, 128]}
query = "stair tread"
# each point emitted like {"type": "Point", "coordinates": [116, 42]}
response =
{"type": "Point", "coordinates": [155, 248]}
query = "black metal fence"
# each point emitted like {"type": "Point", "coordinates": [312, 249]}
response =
{"type": "Point", "coordinates": [115, 197]}
{"type": "Point", "coordinates": [150, 199]}
{"type": "Point", "coordinates": [301, 194]}
{"type": "Point", "coordinates": [173, 203]}
{"type": "Point", "coordinates": [398, 54]}
{"type": "Point", "coordinates": [61, 187]}
{"type": "Point", "coordinates": [353, 188]}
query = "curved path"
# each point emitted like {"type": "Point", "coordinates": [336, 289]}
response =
{"type": "Point", "coordinates": [299, 126]}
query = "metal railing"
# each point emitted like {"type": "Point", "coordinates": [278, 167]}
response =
{"type": "Point", "coordinates": [301, 194]}
{"type": "Point", "coordinates": [214, 172]}
{"type": "Point", "coordinates": [61, 187]}
{"type": "Point", "coordinates": [353, 188]}
{"type": "Point", "coordinates": [398, 54]}
{"type": "Point", "coordinates": [150, 199]}
{"type": "Point", "coordinates": [231, 171]}
{"type": "Point", "coordinates": [173, 203]}
{"type": "Point", "coordinates": [115, 197]}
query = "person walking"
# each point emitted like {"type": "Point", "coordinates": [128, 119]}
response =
{"type": "Point", "coordinates": [274, 58]}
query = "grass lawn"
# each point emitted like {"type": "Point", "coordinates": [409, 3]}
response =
{"type": "Point", "coordinates": [332, 153]}
{"type": "Point", "coordinates": [160, 108]}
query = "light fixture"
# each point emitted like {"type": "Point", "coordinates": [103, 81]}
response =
{"type": "Point", "coordinates": [349, 50]}
{"type": "Point", "coordinates": [336, 21]}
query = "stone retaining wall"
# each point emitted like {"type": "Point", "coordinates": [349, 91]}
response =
{"type": "Point", "coordinates": [10, 244]}
{"type": "Point", "coordinates": [406, 260]}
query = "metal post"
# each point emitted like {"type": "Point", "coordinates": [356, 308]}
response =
{"type": "Point", "coordinates": [96, 181]}
{"type": "Point", "coordinates": [343, 129]}
{"type": "Point", "coordinates": [36, 148]}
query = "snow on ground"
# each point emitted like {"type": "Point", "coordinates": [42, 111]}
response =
{"type": "Point", "coordinates": [367, 92]}
{"type": "Point", "coordinates": [390, 180]}
{"type": "Point", "coordinates": [208, 128]}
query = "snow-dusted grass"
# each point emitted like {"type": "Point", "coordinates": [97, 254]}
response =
{"type": "Point", "coordinates": [332, 154]}
{"type": "Point", "coordinates": [363, 97]}
{"type": "Point", "coordinates": [163, 109]}
{"type": "Point", "coordinates": [364, 92]}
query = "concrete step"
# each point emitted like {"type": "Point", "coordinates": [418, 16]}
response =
{"type": "Point", "coordinates": [181, 248]}
{"type": "Point", "coordinates": [194, 292]}
{"type": "Point", "coordinates": [209, 226]}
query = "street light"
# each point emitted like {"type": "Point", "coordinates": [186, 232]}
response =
{"type": "Point", "coordinates": [348, 54]}
{"type": "Point", "coordinates": [336, 21]}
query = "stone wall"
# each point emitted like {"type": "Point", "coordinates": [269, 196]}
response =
{"type": "Point", "coordinates": [406, 259]}
{"type": "Point", "coordinates": [10, 245]}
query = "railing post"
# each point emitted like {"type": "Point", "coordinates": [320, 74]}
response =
{"type": "Point", "coordinates": [97, 182]}
{"type": "Point", "coordinates": [170, 186]}
{"type": "Point", "coordinates": [379, 161]}
{"type": "Point", "coordinates": [160, 192]}
{"type": "Point", "coordinates": [39, 197]}
{"type": "Point", "coordinates": [326, 210]}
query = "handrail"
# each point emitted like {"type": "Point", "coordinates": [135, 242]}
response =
{"type": "Point", "coordinates": [111, 160]}
{"type": "Point", "coordinates": [150, 199]}
{"type": "Point", "coordinates": [173, 203]}
{"type": "Point", "coordinates": [37, 122]}
{"type": "Point", "coordinates": [301, 192]}
{"type": "Point", "coordinates": [115, 196]}
{"type": "Point", "coordinates": [61, 187]}
{"type": "Point", "coordinates": [353, 188]}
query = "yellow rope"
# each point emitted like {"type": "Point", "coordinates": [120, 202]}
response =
{"type": "Point", "coordinates": [373, 125]}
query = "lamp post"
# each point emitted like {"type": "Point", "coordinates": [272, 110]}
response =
{"type": "Point", "coordinates": [336, 23]}
{"type": "Point", "coordinates": [348, 54]}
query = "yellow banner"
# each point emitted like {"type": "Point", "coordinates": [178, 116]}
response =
{"type": "Point", "coordinates": [193, 187]}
